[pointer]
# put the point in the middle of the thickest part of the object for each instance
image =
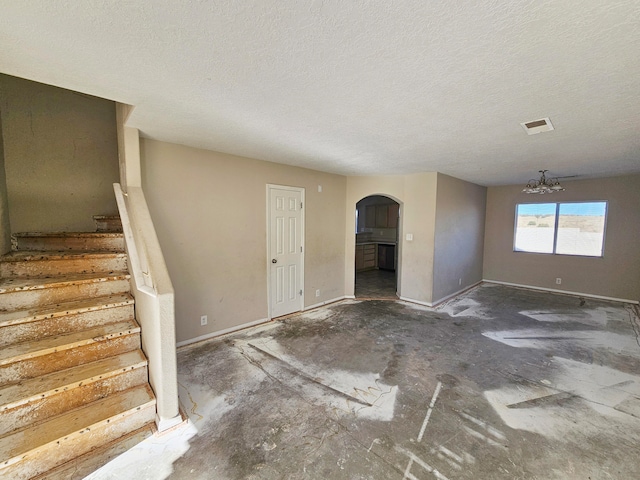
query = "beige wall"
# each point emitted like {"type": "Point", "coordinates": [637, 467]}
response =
{"type": "Point", "coordinates": [5, 227]}
{"type": "Point", "coordinates": [417, 197]}
{"type": "Point", "coordinates": [444, 215]}
{"type": "Point", "coordinates": [459, 236]}
{"type": "Point", "coordinates": [616, 274]}
{"type": "Point", "coordinates": [60, 156]}
{"type": "Point", "coordinates": [209, 210]}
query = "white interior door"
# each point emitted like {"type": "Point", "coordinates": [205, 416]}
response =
{"type": "Point", "coordinates": [285, 250]}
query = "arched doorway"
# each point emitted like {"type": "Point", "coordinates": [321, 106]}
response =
{"type": "Point", "coordinates": [376, 258]}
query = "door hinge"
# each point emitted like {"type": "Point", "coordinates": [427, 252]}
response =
{"type": "Point", "coordinates": [300, 204]}
{"type": "Point", "coordinates": [300, 248]}
{"type": "Point", "coordinates": [300, 292]}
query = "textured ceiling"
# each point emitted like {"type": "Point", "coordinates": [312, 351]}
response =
{"type": "Point", "coordinates": [355, 87]}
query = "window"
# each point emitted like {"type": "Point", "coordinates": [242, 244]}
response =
{"type": "Point", "coordinates": [561, 228]}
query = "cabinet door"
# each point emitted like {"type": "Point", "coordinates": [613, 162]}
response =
{"type": "Point", "coordinates": [369, 256]}
{"type": "Point", "coordinates": [370, 216]}
{"type": "Point", "coordinates": [392, 215]}
{"type": "Point", "coordinates": [382, 257]}
{"type": "Point", "coordinates": [359, 257]}
{"type": "Point", "coordinates": [382, 212]}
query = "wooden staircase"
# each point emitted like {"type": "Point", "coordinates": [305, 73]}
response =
{"type": "Point", "coordinates": [74, 388]}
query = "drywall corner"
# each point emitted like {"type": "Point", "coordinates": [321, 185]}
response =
{"type": "Point", "coordinates": [5, 226]}
{"type": "Point", "coordinates": [459, 235]}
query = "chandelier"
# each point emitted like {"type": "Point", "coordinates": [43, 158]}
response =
{"type": "Point", "coordinates": [544, 185]}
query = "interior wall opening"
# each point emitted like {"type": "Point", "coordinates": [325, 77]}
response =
{"type": "Point", "coordinates": [377, 221]}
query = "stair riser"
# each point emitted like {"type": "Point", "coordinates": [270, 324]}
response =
{"type": "Point", "coordinates": [27, 299]}
{"type": "Point", "coordinates": [45, 244]}
{"type": "Point", "coordinates": [33, 367]}
{"type": "Point", "coordinates": [47, 267]}
{"type": "Point", "coordinates": [42, 409]}
{"type": "Point", "coordinates": [108, 224]}
{"type": "Point", "coordinates": [71, 446]}
{"type": "Point", "coordinates": [67, 323]}
{"type": "Point", "coordinates": [81, 467]}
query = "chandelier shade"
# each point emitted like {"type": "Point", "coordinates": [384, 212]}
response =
{"type": "Point", "coordinates": [543, 185]}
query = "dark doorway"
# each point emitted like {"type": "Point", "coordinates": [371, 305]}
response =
{"type": "Point", "coordinates": [376, 256]}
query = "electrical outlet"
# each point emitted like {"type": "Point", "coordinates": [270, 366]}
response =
{"type": "Point", "coordinates": [203, 320]}
{"type": "Point", "coordinates": [317, 293]}
{"type": "Point", "coordinates": [558, 281]}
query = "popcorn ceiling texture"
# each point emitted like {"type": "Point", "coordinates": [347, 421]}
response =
{"type": "Point", "coordinates": [356, 87]}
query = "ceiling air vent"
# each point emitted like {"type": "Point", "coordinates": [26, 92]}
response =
{"type": "Point", "coordinates": [537, 126]}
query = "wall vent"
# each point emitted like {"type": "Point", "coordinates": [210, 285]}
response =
{"type": "Point", "coordinates": [537, 126]}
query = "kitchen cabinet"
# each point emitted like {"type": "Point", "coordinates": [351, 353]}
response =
{"type": "Point", "coordinates": [359, 257]}
{"type": "Point", "coordinates": [386, 257]}
{"type": "Point", "coordinates": [366, 256]}
{"type": "Point", "coordinates": [382, 212]}
{"type": "Point", "coordinates": [393, 211]}
{"type": "Point", "coordinates": [381, 216]}
{"type": "Point", "coordinates": [370, 216]}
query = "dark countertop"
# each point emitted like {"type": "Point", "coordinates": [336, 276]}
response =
{"type": "Point", "coordinates": [376, 242]}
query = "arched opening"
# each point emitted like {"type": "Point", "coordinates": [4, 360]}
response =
{"type": "Point", "coordinates": [377, 225]}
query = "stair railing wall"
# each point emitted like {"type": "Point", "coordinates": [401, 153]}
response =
{"type": "Point", "coordinates": [152, 288]}
{"type": "Point", "coordinates": [154, 305]}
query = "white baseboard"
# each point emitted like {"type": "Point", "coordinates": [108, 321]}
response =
{"type": "Point", "coordinates": [419, 302]}
{"type": "Point", "coordinates": [226, 331]}
{"type": "Point", "coordinates": [164, 424]}
{"type": "Point", "coordinates": [321, 304]}
{"type": "Point", "coordinates": [219, 333]}
{"type": "Point", "coordinates": [566, 292]}
{"type": "Point", "coordinates": [455, 294]}
{"type": "Point", "coordinates": [443, 299]}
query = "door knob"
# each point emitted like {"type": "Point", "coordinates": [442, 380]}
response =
{"type": "Point", "coordinates": [273, 260]}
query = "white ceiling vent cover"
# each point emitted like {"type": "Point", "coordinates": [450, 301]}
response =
{"type": "Point", "coordinates": [537, 126]}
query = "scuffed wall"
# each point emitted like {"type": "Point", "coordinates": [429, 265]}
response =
{"type": "Point", "coordinates": [210, 214]}
{"type": "Point", "coordinates": [61, 156]}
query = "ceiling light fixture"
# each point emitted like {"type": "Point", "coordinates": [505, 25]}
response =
{"type": "Point", "coordinates": [544, 185]}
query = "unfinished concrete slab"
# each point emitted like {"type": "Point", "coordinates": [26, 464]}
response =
{"type": "Point", "coordinates": [499, 383]}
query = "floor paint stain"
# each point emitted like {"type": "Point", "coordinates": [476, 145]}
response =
{"type": "Point", "coordinates": [549, 339]}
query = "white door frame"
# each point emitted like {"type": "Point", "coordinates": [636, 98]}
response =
{"type": "Point", "coordinates": [271, 186]}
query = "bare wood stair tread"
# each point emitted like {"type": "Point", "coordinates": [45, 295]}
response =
{"type": "Point", "coordinates": [27, 255]}
{"type": "Point", "coordinates": [70, 234]}
{"type": "Point", "coordinates": [36, 348]}
{"type": "Point", "coordinates": [35, 283]}
{"type": "Point", "coordinates": [81, 466]}
{"type": "Point", "coordinates": [74, 385]}
{"type": "Point", "coordinates": [64, 308]}
{"type": "Point", "coordinates": [26, 391]}
{"type": "Point", "coordinates": [30, 440]}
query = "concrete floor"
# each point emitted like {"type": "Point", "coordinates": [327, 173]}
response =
{"type": "Point", "coordinates": [499, 383]}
